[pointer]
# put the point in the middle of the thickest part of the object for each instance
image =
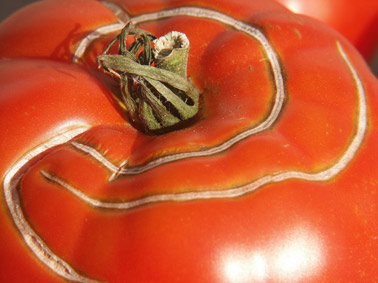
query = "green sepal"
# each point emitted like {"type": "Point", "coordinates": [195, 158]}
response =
{"type": "Point", "coordinates": [155, 91]}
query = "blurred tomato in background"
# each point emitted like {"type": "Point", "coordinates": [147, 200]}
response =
{"type": "Point", "coordinates": [356, 20]}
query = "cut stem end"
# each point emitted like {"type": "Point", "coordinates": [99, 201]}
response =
{"type": "Point", "coordinates": [155, 89]}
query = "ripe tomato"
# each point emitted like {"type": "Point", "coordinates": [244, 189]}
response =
{"type": "Point", "coordinates": [356, 20]}
{"type": "Point", "coordinates": [275, 179]}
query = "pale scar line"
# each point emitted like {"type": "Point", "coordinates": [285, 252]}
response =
{"type": "Point", "coordinates": [248, 188]}
{"type": "Point", "coordinates": [101, 31]}
{"type": "Point", "coordinates": [272, 58]}
{"type": "Point", "coordinates": [12, 198]}
{"type": "Point", "coordinates": [12, 178]}
{"type": "Point", "coordinates": [62, 268]}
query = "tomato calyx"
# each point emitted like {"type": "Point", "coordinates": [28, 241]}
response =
{"type": "Point", "coordinates": [156, 93]}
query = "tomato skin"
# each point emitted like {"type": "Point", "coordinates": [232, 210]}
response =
{"type": "Point", "coordinates": [50, 29]}
{"type": "Point", "coordinates": [46, 93]}
{"type": "Point", "coordinates": [43, 94]}
{"type": "Point", "coordinates": [287, 230]}
{"type": "Point", "coordinates": [356, 20]}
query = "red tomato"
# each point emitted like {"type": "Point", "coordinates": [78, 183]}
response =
{"type": "Point", "coordinates": [275, 181]}
{"type": "Point", "coordinates": [356, 20]}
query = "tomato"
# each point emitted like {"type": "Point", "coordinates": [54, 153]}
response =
{"type": "Point", "coordinates": [356, 20]}
{"type": "Point", "coordinates": [275, 179]}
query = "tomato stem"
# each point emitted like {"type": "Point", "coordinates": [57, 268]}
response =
{"type": "Point", "coordinates": [156, 92]}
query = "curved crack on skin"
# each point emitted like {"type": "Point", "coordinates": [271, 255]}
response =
{"type": "Point", "coordinates": [97, 156]}
{"type": "Point", "coordinates": [117, 173]}
{"type": "Point", "coordinates": [254, 185]}
{"type": "Point", "coordinates": [62, 268]}
{"type": "Point", "coordinates": [11, 194]}
{"type": "Point", "coordinates": [253, 32]}
{"type": "Point", "coordinates": [323, 175]}
{"type": "Point", "coordinates": [121, 15]}
{"type": "Point", "coordinates": [85, 42]}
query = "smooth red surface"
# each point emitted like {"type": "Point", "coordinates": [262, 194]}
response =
{"type": "Point", "coordinates": [356, 20]}
{"type": "Point", "coordinates": [289, 231]}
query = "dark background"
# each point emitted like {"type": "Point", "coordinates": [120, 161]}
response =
{"type": "Point", "coordinates": [7, 7]}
